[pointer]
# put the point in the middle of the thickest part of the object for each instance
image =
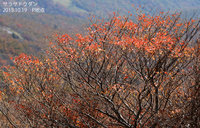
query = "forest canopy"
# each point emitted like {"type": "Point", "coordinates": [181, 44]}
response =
{"type": "Point", "coordinates": [120, 73]}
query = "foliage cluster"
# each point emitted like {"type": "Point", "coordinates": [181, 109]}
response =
{"type": "Point", "coordinates": [122, 73]}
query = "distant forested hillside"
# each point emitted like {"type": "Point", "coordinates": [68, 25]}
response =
{"type": "Point", "coordinates": [82, 8]}
{"type": "Point", "coordinates": [27, 32]}
{"type": "Point", "coordinates": [102, 7]}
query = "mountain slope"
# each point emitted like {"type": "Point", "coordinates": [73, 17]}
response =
{"type": "Point", "coordinates": [27, 32]}
{"type": "Point", "coordinates": [102, 7]}
{"type": "Point", "coordinates": [83, 8]}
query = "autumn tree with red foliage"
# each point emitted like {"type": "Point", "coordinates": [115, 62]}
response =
{"type": "Point", "coordinates": [122, 73]}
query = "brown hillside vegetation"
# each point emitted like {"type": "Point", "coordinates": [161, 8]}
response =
{"type": "Point", "coordinates": [33, 30]}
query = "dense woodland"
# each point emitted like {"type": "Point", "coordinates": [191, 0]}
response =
{"type": "Point", "coordinates": [135, 71]}
{"type": "Point", "coordinates": [69, 16]}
